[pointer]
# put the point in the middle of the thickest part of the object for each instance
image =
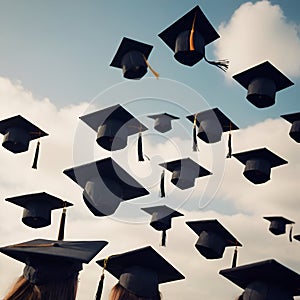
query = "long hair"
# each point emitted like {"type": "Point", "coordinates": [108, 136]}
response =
{"type": "Point", "coordinates": [120, 293]}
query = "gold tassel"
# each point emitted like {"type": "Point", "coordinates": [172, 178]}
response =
{"type": "Point", "coordinates": [101, 281]}
{"type": "Point", "coordinates": [192, 45]}
{"type": "Point", "coordinates": [151, 69]}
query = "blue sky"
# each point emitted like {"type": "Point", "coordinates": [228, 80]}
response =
{"type": "Point", "coordinates": [54, 67]}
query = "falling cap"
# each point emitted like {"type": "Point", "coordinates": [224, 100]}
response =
{"type": "Point", "coordinates": [184, 172]}
{"type": "Point", "coordinates": [211, 124]}
{"type": "Point", "coordinates": [161, 218]}
{"type": "Point", "coordinates": [48, 260]}
{"type": "Point", "coordinates": [294, 118]}
{"type": "Point", "coordinates": [278, 224]}
{"type": "Point", "coordinates": [141, 271]}
{"type": "Point", "coordinates": [38, 207]}
{"type": "Point", "coordinates": [265, 280]}
{"type": "Point", "coordinates": [262, 82]}
{"type": "Point", "coordinates": [213, 238]}
{"type": "Point", "coordinates": [105, 185]}
{"type": "Point", "coordinates": [131, 56]}
{"type": "Point", "coordinates": [258, 164]}
{"type": "Point", "coordinates": [18, 132]}
{"type": "Point", "coordinates": [163, 121]}
{"type": "Point", "coordinates": [113, 126]}
{"type": "Point", "coordinates": [188, 36]}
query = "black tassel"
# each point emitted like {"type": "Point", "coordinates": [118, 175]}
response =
{"type": "Point", "coordinates": [291, 234]}
{"type": "Point", "coordinates": [36, 155]}
{"type": "Point", "coordinates": [195, 144]}
{"type": "Point", "coordinates": [234, 260]}
{"type": "Point", "coordinates": [162, 184]}
{"type": "Point", "coordinates": [61, 232]}
{"type": "Point", "coordinates": [100, 287]}
{"type": "Point", "coordinates": [229, 146]}
{"type": "Point", "coordinates": [221, 64]}
{"type": "Point", "coordinates": [140, 147]}
{"type": "Point", "coordinates": [163, 238]}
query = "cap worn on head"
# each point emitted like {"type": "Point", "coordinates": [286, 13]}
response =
{"type": "Point", "coordinates": [163, 121]}
{"type": "Point", "coordinates": [113, 126]}
{"type": "Point", "coordinates": [265, 280]}
{"type": "Point", "coordinates": [38, 207]}
{"type": "Point", "coordinates": [278, 224]}
{"type": "Point", "coordinates": [211, 124]}
{"type": "Point", "coordinates": [294, 118]}
{"type": "Point", "coordinates": [184, 172]}
{"type": "Point", "coordinates": [49, 260]}
{"type": "Point", "coordinates": [105, 185]}
{"type": "Point", "coordinates": [141, 271]}
{"type": "Point", "coordinates": [18, 132]}
{"type": "Point", "coordinates": [213, 238]}
{"type": "Point", "coordinates": [131, 56]}
{"type": "Point", "coordinates": [262, 82]}
{"type": "Point", "coordinates": [258, 164]}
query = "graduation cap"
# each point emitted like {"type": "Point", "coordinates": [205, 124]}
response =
{"type": "Point", "coordinates": [211, 124]}
{"type": "Point", "coordinates": [189, 35]}
{"type": "Point", "coordinates": [163, 121]}
{"type": "Point", "coordinates": [18, 132]}
{"type": "Point", "coordinates": [161, 218]}
{"type": "Point", "coordinates": [184, 172]}
{"type": "Point", "coordinates": [294, 118]}
{"type": "Point", "coordinates": [262, 82]}
{"type": "Point", "coordinates": [213, 238]}
{"type": "Point", "coordinates": [141, 271]}
{"type": "Point", "coordinates": [105, 185]}
{"type": "Point", "coordinates": [132, 56]}
{"type": "Point", "coordinates": [258, 164]}
{"type": "Point", "coordinates": [264, 280]}
{"type": "Point", "coordinates": [297, 237]}
{"type": "Point", "coordinates": [278, 225]}
{"type": "Point", "coordinates": [38, 207]}
{"type": "Point", "coordinates": [51, 260]}
{"type": "Point", "coordinates": [113, 125]}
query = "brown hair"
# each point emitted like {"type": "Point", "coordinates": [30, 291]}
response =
{"type": "Point", "coordinates": [120, 293]}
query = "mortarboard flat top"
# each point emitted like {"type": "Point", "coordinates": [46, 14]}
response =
{"type": "Point", "coordinates": [262, 153]}
{"type": "Point", "coordinates": [216, 227]}
{"type": "Point", "coordinates": [38, 208]}
{"type": "Point", "coordinates": [268, 271]}
{"type": "Point", "coordinates": [280, 219]}
{"type": "Point", "coordinates": [291, 117]}
{"type": "Point", "coordinates": [163, 210]}
{"type": "Point", "coordinates": [126, 46]}
{"type": "Point", "coordinates": [202, 25]}
{"type": "Point", "coordinates": [141, 270]}
{"type": "Point", "coordinates": [163, 115]}
{"type": "Point", "coordinates": [265, 69]}
{"type": "Point", "coordinates": [214, 114]}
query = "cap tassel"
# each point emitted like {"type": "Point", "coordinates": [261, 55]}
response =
{"type": "Point", "coordinates": [192, 46]}
{"type": "Point", "coordinates": [221, 64]}
{"type": "Point", "coordinates": [36, 155]}
{"type": "Point", "coordinates": [61, 233]}
{"type": "Point", "coordinates": [163, 238]}
{"type": "Point", "coordinates": [151, 69]}
{"type": "Point", "coordinates": [234, 259]}
{"type": "Point", "coordinates": [229, 144]}
{"type": "Point", "coordinates": [140, 147]}
{"type": "Point", "coordinates": [195, 144]}
{"type": "Point", "coordinates": [291, 234]}
{"type": "Point", "coordinates": [101, 281]}
{"type": "Point", "coordinates": [162, 185]}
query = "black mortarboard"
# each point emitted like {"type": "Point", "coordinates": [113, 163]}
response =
{"type": "Point", "coordinates": [211, 123]}
{"type": "Point", "coordinates": [213, 238]}
{"type": "Point", "coordinates": [113, 126]}
{"type": "Point", "coordinates": [294, 118]}
{"type": "Point", "coordinates": [184, 172]}
{"type": "Point", "coordinates": [48, 260]}
{"type": "Point", "coordinates": [105, 185]}
{"type": "Point", "coordinates": [189, 35]}
{"type": "Point", "coordinates": [18, 132]}
{"type": "Point", "coordinates": [132, 56]}
{"type": "Point", "coordinates": [163, 121]}
{"type": "Point", "coordinates": [262, 82]}
{"type": "Point", "coordinates": [141, 271]}
{"type": "Point", "coordinates": [297, 237]}
{"type": "Point", "coordinates": [278, 224]}
{"type": "Point", "coordinates": [265, 280]}
{"type": "Point", "coordinates": [161, 218]}
{"type": "Point", "coordinates": [258, 164]}
{"type": "Point", "coordinates": [38, 207]}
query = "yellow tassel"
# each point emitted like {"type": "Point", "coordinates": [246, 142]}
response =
{"type": "Point", "coordinates": [192, 46]}
{"type": "Point", "coordinates": [151, 69]}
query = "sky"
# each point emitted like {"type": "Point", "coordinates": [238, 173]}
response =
{"type": "Point", "coordinates": [55, 67]}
